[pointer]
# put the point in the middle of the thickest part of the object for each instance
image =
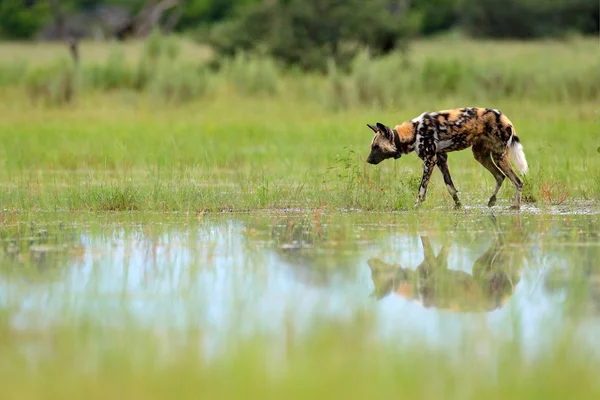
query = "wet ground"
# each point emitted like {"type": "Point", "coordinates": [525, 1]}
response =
{"type": "Point", "coordinates": [428, 277]}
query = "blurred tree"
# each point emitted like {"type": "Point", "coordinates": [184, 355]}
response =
{"type": "Point", "coordinates": [200, 12]}
{"type": "Point", "coordinates": [58, 14]}
{"type": "Point", "coordinates": [22, 19]}
{"type": "Point", "coordinates": [436, 15]}
{"type": "Point", "coordinates": [529, 18]}
{"type": "Point", "coordinates": [334, 23]}
{"type": "Point", "coordinates": [309, 32]}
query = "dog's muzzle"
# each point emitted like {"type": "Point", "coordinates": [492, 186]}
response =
{"type": "Point", "coordinates": [370, 160]}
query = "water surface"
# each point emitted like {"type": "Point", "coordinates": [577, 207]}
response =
{"type": "Point", "coordinates": [433, 278]}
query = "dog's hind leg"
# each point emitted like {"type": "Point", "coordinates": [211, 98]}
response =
{"type": "Point", "coordinates": [442, 163]}
{"type": "Point", "coordinates": [483, 155]}
{"type": "Point", "coordinates": [503, 162]}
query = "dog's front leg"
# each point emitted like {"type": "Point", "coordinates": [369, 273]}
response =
{"type": "Point", "coordinates": [428, 165]}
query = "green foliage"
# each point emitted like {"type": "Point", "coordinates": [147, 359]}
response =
{"type": "Point", "coordinates": [251, 30]}
{"type": "Point", "coordinates": [53, 85]}
{"type": "Point", "coordinates": [341, 92]}
{"type": "Point", "coordinates": [158, 69]}
{"type": "Point", "coordinates": [179, 82]}
{"type": "Point", "coordinates": [11, 74]}
{"type": "Point", "coordinates": [111, 198]}
{"type": "Point", "coordinates": [158, 46]}
{"type": "Point", "coordinates": [367, 188]}
{"type": "Point", "coordinates": [307, 32]}
{"type": "Point", "coordinates": [444, 76]}
{"type": "Point", "coordinates": [251, 74]}
{"type": "Point", "coordinates": [166, 76]}
{"type": "Point", "coordinates": [113, 74]}
{"type": "Point", "coordinates": [19, 21]}
{"type": "Point", "coordinates": [367, 80]}
{"type": "Point", "coordinates": [436, 15]}
{"type": "Point", "coordinates": [372, 82]}
{"type": "Point", "coordinates": [299, 30]}
{"type": "Point", "coordinates": [379, 82]}
{"type": "Point", "coordinates": [529, 18]}
{"type": "Point", "coordinates": [392, 80]}
{"type": "Point", "coordinates": [196, 12]}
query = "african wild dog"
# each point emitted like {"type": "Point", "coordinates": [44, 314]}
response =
{"type": "Point", "coordinates": [434, 134]}
{"type": "Point", "coordinates": [492, 282]}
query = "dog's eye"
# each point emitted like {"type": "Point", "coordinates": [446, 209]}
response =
{"type": "Point", "coordinates": [376, 147]}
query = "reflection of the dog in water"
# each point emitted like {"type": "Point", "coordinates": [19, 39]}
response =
{"type": "Point", "coordinates": [495, 275]}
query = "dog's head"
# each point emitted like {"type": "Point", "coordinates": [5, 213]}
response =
{"type": "Point", "coordinates": [388, 278]}
{"type": "Point", "coordinates": [382, 145]}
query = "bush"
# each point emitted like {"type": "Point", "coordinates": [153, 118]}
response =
{"type": "Point", "coordinates": [444, 76]}
{"type": "Point", "coordinates": [529, 18]}
{"type": "Point", "coordinates": [252, 74]}
{"type": "Point", "coordinates": [179, 82]}
{"type": "Point", "coordinates": [113, 74]}
{"type": "Point", "coordinates": [391, 80]}
{"type": "Point", "coordinates": [12, 73]}
{"type": "Point", "coordinates": [436, 15]}
{"type": "Point", "coordinates": [158, 46]}
{"type": "Point", "coordinates": [308, 32]}
{"type": "Point", "coordinates": [53, 85]}
{"type": "Point", "coordinates": [341, 93]}
{"type": "Point", "coordinates": [379, 82]}
{"type": "Point", "coordinates": [18, 21]}
{"type": "Point", "coordinates": [366, 80]}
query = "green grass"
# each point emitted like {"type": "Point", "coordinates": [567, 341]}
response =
{"type": "Point", "coordinates": [112, 152]}
{"type": "Point", "coordinates": [137, 132]}
{"type": "Point", "coordinates": [91, 51]}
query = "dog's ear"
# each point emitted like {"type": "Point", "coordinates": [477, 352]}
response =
{"type": "Point", "coordinates": [385, 130]}
{"type": "Point", "coordinates": [372, 127]}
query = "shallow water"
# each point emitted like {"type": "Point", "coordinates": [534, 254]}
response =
{"type": "Point", "coordinates": [432, 278]}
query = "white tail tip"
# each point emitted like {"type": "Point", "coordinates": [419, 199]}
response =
{"type": "Point", "coordinates": [518, 156]}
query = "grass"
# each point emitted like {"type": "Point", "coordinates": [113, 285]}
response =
{"type": "Point", "coordinates": [233, 153]}
{"type": "Point", "coordinates": [147, 126]}
{"type": "Point", "coordinates": [92, 52]}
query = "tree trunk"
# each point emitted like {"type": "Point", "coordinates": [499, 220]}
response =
{"type": "Point", "coordinates": [74, 49]}
{"type": "Point", "coordinates": [173, 19]}
{"type": "Point", "coordinates": [142, 24]}
{"type": "Point", "coordinates": [59, 19]}
{"type": "Point", "coordinates": [150, 16]}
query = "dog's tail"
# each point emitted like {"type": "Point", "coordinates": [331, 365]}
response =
{"type": "Point", "coordinates": [517, 154]}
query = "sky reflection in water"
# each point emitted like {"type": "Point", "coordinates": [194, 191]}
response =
{"type": "Point", "coordinates": [260, 273]}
